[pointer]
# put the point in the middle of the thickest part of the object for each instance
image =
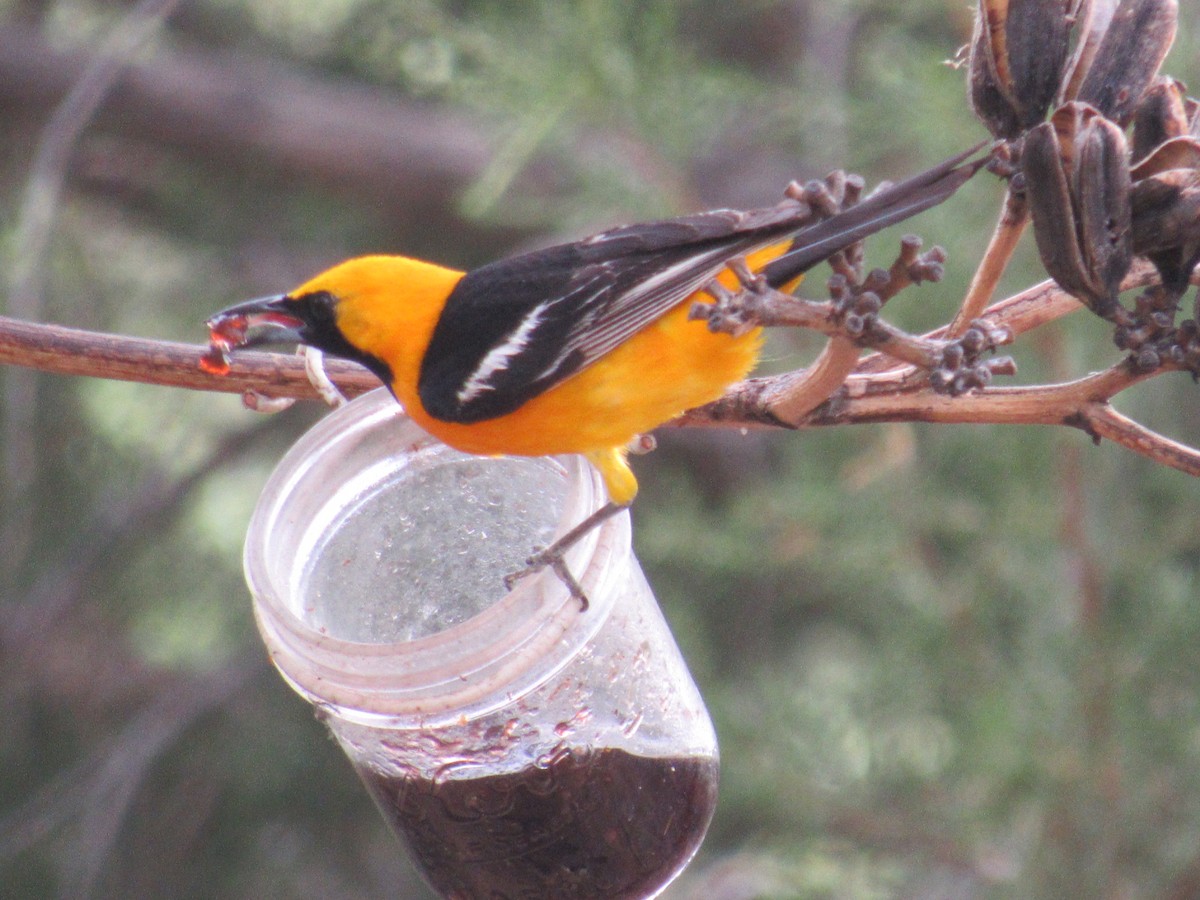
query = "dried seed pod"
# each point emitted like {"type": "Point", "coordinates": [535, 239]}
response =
{"type": "Point", "coordinates": [1039, 33]}
{"type": "Point", "coordinates": [1166, 224]}
{"type": "Point", "coordinates": [1161, 115]}
{"type": "Point", "coordinates": [1018, 55]}
{"type": "Point", "coordinates": [1104, 212]}
{"type": "Point", "coordinates": [1092, 20]}
{"type": "Point", "coordinates": [1127, 59]}
{"type": "Point", "coordinates": [1176, 153]}
{"type": "Point", "coordinates": [994, 108]}
{"type": "Point", "coordinates": [1052, 211]}
{"type": "Point", "coordinates": [1077, 177]}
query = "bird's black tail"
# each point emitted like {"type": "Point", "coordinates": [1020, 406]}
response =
{"type": "Point", "coordinates": [883, 208]}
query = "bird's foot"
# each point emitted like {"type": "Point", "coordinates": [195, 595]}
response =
{"type": "Point", "coordinates": [314, 368]}
{"type": "Point", "coordinates": [550, 558]}
{"type": "Point", "coordinates": [554, 556]}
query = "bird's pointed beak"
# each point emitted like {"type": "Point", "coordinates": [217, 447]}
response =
{"type": "Point", "coordinates": [266, 320]}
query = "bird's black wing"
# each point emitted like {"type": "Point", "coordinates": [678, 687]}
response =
{"type": "Point", "coordinates": [515, 328]}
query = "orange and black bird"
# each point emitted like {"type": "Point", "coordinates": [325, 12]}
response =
{"type": "Point", "coordinates": [575, 348]}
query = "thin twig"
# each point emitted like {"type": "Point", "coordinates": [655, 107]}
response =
{"type": "Point", "coordinates": [995, 260]}
{"type": "Point", "coordinates": [795, 395]}
{"type": "Point", "coordinates": [73, 351]}
{"type": "Point", "coordinates": [1032, 308]}
{"type": "Point", "coordinates": [1105, 422]}
{"type": "Point", "coordinates": [1081, 403]}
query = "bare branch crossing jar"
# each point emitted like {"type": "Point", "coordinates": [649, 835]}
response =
{"type": "Point", "coordinates": [518, 745]}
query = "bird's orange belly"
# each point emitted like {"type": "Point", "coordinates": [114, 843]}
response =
{"type": "Point", "coordinates": [668, 367]}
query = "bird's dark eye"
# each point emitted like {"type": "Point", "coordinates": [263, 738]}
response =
{"type": "Point", "coordinates": [316, 309]}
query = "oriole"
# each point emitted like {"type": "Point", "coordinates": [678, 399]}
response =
{"type": "Point", "coordinates": [576, 348]}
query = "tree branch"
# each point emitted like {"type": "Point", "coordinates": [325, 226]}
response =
{"type": "Point", "coordinates": [878, 390]}
{"type": "Point", "coordinates": [797, 394]}
{"type": "Point", "coordinates": [867, 396]}
{"type": "Point", "coordinates": [72, 351]}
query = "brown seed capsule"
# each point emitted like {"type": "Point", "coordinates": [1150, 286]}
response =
{"type": "Point", "coordinates": [1134, 45]}
{"type": "Point", "coordinates": [1018, 55]}
{"type": "Point", "coordinates": [1166, 224]}
{"type": "Point", "coordinates": [1077, 177]}
{"type": "Point", "coordinates": [991, 105]}
{"type": "Point", "coordinates": [1038, 38]}
{"type": "Point", "coordinates": [1176, 153]}
{"type": "Point", "coordinates": [1052, 211]}
{"type": "Point", "coordinates": [1102, 191]}
{"type": "Point", "coordinates": [1160, 116]}
{"type": "Point", "coordinates": [1161, 208]}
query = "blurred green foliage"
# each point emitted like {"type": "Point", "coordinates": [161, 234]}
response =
{"type": "Point", "coordinates": [943, 661]}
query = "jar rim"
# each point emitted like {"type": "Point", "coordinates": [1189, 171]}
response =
{"type": "Point", "coordinates": [464, 671]}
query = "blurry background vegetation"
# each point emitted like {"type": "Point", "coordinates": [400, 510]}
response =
{"type": "Point", "coordinates": [943, 661]}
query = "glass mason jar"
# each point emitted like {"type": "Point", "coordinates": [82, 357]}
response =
{"type": "Point", "coordinates": [520, 746]}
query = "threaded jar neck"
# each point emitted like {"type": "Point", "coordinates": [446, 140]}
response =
{"type": "Point", "coordinates": [376, 558]}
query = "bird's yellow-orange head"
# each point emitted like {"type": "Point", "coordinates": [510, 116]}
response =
{"type": "Point", "coordinates": [376, 310]}
{"type": "Point", "coordinates": [383, 306]}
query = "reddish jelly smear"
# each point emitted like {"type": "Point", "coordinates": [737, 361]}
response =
{"type": "Point", "coordinates": [224, 333]}
{"type": "Point", "coordinates": [214, 361]}
{"type": "Point", "coordinates": [227, 331]}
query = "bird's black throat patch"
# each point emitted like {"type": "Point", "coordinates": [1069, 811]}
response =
{"type": "Point", "coordinates": [317, 311]}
